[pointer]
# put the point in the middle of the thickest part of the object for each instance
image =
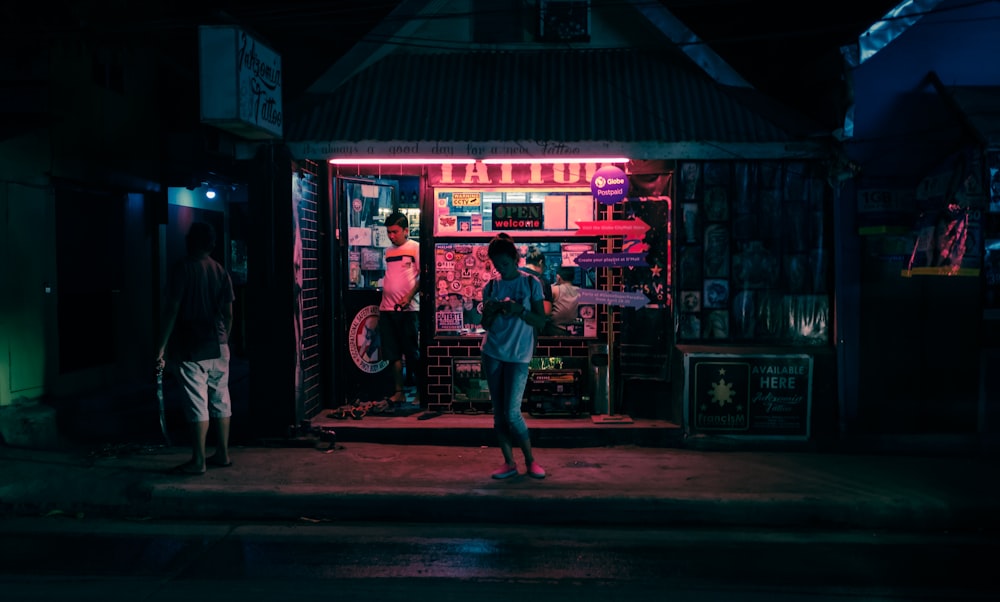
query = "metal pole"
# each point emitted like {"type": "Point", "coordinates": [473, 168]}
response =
{"type": "Point", "coordinates": [159, 399]}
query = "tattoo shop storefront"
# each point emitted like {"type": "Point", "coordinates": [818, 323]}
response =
{"type": "Point", "coordinates": [704, 276]}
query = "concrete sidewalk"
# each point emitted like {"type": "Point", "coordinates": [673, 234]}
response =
{"type": "Point", "coordinates": [622, 485]}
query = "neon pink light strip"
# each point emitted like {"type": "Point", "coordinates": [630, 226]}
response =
{"type": "Point", "coordinates": [549, 160]}
{"type": "Point", "coordinates": [397, 161]}
{"type": "Point", "coordinates": [458, 161]}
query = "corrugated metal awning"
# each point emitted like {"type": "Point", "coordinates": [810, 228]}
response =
{"type": "Point", "coordinates": [625, 102]}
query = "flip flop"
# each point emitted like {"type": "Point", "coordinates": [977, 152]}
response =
{"type": "Point", "coordinates": [213, 463]}
{"type": "Point", "coordinates": [188, 468]}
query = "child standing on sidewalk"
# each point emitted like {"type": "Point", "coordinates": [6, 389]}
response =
{"type": "Point", "coordinates": [512, 312]}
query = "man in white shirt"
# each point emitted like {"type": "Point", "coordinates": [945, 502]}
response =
{"type": "Point", "coordinates": [398, 322]}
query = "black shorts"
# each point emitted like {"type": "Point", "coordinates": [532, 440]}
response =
{"type": "Point", "coordinates": [398, 330]}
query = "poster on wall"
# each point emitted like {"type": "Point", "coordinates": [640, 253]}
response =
{"type": "Point", "coordinates": [767, 396]}
{"type": "Point", "coordinates": [653, 278]}
{"type": "Point", "coordinates": [647, 339]}
{"type": "Point", "coordinates": [948, 233]}
{"type": "Point", "coordinates": [299, 192]}
{"type": "Point", "coordinates": [364, 342]}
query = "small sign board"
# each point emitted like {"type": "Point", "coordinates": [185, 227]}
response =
{"type": "Point", "coordinates": [518, 216]}
{"type": "Point", "coordinates": [604, 260]}
{"type": "Point", "coordinates": [609, 185]}
{"type": "Point", "coordinates": [448, 321]}
{"type": "Point", "coordinates": [630, 228]}
{"type": "Point", "coordinates": [633, 299]}
{"type": "Point", "coordinates": [240, 83]}
{"type": "Point", "coordinates": [466, 199]}
{"type": "Point", "coordinates": [767, 396]}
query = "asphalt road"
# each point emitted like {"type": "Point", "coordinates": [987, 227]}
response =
{"type": "Point", "coordinates": [61, 557]}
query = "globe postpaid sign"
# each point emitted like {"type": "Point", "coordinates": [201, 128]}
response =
{"type": "Point", "coordinates": [609, 185]}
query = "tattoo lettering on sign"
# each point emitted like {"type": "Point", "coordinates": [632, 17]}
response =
{"type": "Point", "coordinates": [492, 174]}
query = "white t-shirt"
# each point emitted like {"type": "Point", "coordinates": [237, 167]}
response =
{"type": "Point", "coordinates": [566, 297]}
{"type": "Point", "coordinates": [402, 273]}
{"type": "Point", "coordinates": [511, 339]}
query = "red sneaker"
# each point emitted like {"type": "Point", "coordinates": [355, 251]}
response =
{"type": "Point", "coordinates": [505, 471]}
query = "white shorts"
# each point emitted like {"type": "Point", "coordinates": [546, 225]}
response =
{"type": "Point", "coordinates": [206, 385]}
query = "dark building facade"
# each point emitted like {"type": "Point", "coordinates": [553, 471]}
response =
{"type": "Point", "coordinates": [728, 207]}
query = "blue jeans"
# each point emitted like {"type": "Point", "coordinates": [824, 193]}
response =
{"type": "Point", "coordinates": [506, 381]}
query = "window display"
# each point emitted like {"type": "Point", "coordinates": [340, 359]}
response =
{"type": "Point", "coordinates": [368, 203]}
{"type": "Point", "coordinates": [461, 270]}
{"type": "Point", "coordinates": [464, 212]}
{"type": "Point", "coordinates": [752, 253]}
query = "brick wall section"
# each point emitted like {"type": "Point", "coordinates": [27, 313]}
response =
{"type": "Point", "coordinates": [438, 368]}
{"type": "Point", "coordinates": [441, 351]}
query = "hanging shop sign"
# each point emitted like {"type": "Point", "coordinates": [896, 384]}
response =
{"type": "Point", "coordinates": [630, 228]}
{"type": "Point", "coordinates": [631, 299]}
{"type": "Point", "coordinates": [753, 395]}
{"type": "Point", "coordinates": [240, 81]}
{"type": "Point", "coordinates": [610, 260]}
{"type": "Point", "coordinates": [609, 185]}
{"type": "Point", "coordinates": [512, 174]}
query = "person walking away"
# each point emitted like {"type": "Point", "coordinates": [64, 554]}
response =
{"type": "Point", "coordinates": [534, 265]}
{"type": "Point", "coordinates": [197, 320]}
{"type": "Point", "coordinates": [512, 312]}
{"type": "Point", "coordinates": [565, 297]}
{"type": "Point", "coordinates": [400, 305]}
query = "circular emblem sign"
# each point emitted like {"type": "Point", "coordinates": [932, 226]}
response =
{"type": "Point", "coordinates": [364, 342]}
{"type": "Point", "coordinates": [609, 185]}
